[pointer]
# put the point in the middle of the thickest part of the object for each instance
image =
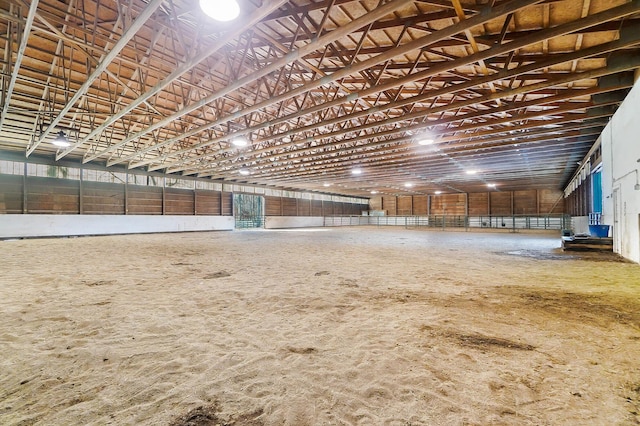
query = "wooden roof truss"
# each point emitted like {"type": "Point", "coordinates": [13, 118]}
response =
{"type": "Point", "coordinates": [517, 90]}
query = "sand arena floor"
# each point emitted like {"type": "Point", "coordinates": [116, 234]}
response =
{"type": "Point", "coordinates": [367, 326]}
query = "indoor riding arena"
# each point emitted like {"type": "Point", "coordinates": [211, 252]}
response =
{"type": "Point", "coordinates": [319, 212]}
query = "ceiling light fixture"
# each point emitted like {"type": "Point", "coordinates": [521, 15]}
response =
{"type": "Point", "coordinates": [425, 141]}
{"type": "Point", "coordinates": [491, 185]}
{"type": "Point", "coordinates": [356, 171]}
{"type": "Point", "coordinates": [472, 172]}
{"type": "Point", "coordinates": [243, 172]}
{"type": "Point", "coordinates": [61, 140]}
{"type": "Point", "coordinates": [408, 185]}
{"type": "Point", "coordinates": [374, 192]}
{"type": "Point", "coordinates": [240, 141]}
{"type": "Point", "coordinates": [438, 192]}
{"type": "Point", "coordinates": [221, 10]}
{"type": "Point", "coordinates": [326, 185]}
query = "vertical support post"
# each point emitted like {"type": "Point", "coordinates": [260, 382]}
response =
{"type": "Point", "coordinates": [466, 210]}
{"type": "Point", "coordinates": [24, 189]}
{"type": "Point", "coordinates": [126, 193]}
{"type": "Point", "coordinates": [164, 195]}
{"type": "Point", "coordinates": [195, 198]}
{"type": "Point", "coordinates": [81, 192]}
{"type": "Point", "coordinates": [512, 209]}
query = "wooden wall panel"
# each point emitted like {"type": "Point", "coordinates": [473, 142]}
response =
{"type": "Point", "coordinates": [357, 209]}
{"type": "Point", "coordinates": [102, 198]}
{"type": "Point", "coordinates": [420, 205]}
{"type": "Point", "coordinates": [178, 201]}
{"type": "Point", "coordinates": [304, 207]}
{"type": "Point", "coordinates": [404, 205]}
{"type": "Point", "coordinates": [226, 198]}
{"type": "Point", "coordinates": [389, 205]}
{"type": "Point", "coordinates": [144, 199]}
{"type": "Point", "coordinates": [208, 203]}
{"type": "Point", "coordinates": [525, 202]}
{"type": "Point", "coordinates": [448, 204]}
{"type": "Point", "coordinates": [10, 194]}
{"type": "Point", "coordinates": [550, 201]}
{"type": "Point", "coordinates": [289, 206]}
{"type": "Point", "coordinates": [375, 203]}
{"type": "Point", "coordinates": [478, 204]}
{"type": "Point", "coordinates": [327, 208]}
{"type": "Point", "coordinates": [272, 206]}
{"type": "Point", "coordinates": [500, 203]}
{"type": "Point", "coordinates": [50, 195]}
{"type": "Point", "coordinates": [316, 207]}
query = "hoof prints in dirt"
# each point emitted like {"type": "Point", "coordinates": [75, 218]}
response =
{"type": "Point", "coordinates": [481, 342]}
{"type": "Point", "coordinates": [99, 283]}
{"type": "Point", "coordinates": [219, 274]}
{"type": "Point", "coordinates": [302, 351]}
{"type": "Point", "coordinates": [601, 309]}
{"type": "Point", "coordinates": [208, 416]}
{"type": "Point", "coordinates": [478, 341]}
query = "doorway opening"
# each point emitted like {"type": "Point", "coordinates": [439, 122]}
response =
{"type": "Point", "coordinates": [248, 210]}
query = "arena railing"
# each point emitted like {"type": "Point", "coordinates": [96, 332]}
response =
{"type": "Point", "coordinates": [512, 222]}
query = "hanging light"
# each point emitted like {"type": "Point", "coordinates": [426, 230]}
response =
{"type": "Point", "coordinates": [240, 141]}
{"type": "Point", "coordinates": [244, 172]}
{"type": "Point", "coordinates": [221, 10]}
{"type": "Point", "coordinates": [61, 140]}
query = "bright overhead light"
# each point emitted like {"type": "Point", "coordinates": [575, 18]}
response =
{"type": "Point", "coordinates": [374, 192]}
{"type": "Point", "coordinates": [286, 139]}
{"type": "Point", "coordinates": [425, 141]}
{"type": "Point", "coordinates": [472, 172]}
{"type": "Point", "coordinates": [243, 172]}
{"type": "Point", "coordinates": [356, 171]}
{"type": "Point", "coordinates": [326, 185]}
{"type": "Point", "coordinates": [221, 10]}
{"type": "Point", "coordinates": [438, 192]}
{"type": "Point", "coordinates": [61, 140]}
{"type": "Point", "coordinates": [240, 141]}
{"type": "Point", "coordinates": [491, 185]}
{"type": "Point", "coordinates": [408, 185]}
